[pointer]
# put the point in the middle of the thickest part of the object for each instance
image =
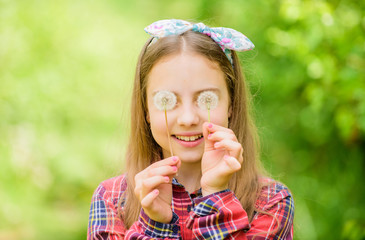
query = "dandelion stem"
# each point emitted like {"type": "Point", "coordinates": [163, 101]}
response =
{"type": "Point", "coordinates": [168, 133]}
{"type": "Point", "coordinates": [208, 107]}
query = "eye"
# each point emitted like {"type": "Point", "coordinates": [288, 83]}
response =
{"type": "Point", "coordinates": [207, 100]}
{"type": "Point", "coordinates": [164, 100]}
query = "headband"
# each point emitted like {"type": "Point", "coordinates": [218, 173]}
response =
{"type": "Point", "coordinates": [227, 38]}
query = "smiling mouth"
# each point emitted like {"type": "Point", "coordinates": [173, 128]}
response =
{"type": "Point", "coordinates": [189, 138]}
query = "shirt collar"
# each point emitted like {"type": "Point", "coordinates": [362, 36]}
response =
{"type": "Point", "coordinates": [197, 192]}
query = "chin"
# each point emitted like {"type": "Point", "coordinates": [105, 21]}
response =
{"type": "Point", "coordinates": [190, 158]}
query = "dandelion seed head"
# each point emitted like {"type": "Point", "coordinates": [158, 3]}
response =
{"type": "Point", "coordinates": [208, 100]}
{"type": "Point", "coordinates": [164, 100]}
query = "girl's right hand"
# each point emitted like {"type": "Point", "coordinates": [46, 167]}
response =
{"type": "Point", "coordinates": [154, 188]}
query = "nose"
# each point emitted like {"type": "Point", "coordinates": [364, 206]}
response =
{"type": "Point", "coordinates": [188, 115]}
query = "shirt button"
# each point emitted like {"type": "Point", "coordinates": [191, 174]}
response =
{"type": "Point", "coordinates": [189, 208]}
{"type": "Point", "coordinates": [175, 229]}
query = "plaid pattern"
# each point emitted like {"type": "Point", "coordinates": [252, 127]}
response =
{"type": "Point", "coordinates": [159, 230]}
{"type": "Point", "coordinates": [216, 216]}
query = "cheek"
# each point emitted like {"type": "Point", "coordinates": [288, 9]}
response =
{"type": "Point", "coordinates": [154, 116]}
{"type": "Point", "coordinates": [220, 116]}
{"type": "Point", "coordinates": [157, 121]}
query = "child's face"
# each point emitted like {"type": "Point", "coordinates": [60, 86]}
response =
{"type": "Point", "coordinates": [186, 75]}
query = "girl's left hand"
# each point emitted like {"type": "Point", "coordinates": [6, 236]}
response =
{"type": "Point", "coordinates": [222, 157]}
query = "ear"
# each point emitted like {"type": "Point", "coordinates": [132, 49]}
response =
{"type": "Point", "coordinates": [229, 111]}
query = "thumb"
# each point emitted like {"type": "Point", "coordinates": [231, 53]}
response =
{"type": "Point", "coordinates": [232, 163]}
{"type": "Point", "coordinates": [208, 128]}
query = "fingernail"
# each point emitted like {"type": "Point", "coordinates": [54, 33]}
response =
{"type": "Point", "coordinates": [210, 125]}
{"type": "Point", "coordinates": [155, 191]}
{"type": "Point", "coordinates": [216, 145]}
{"type": "Point", "coordinates": [209, 136]}
{"type": "Point", "coordinates": [174, 159]}
{"type": "Point", "coordinates": [174, 168]}
{"type": "Point", "coordinates": [167, 179]}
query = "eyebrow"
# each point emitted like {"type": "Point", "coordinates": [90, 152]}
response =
{"type": "Point", "coordinates": [213, 89]}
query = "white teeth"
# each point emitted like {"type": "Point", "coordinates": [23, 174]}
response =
{"type": "Point", "coordinates": [189, 138]}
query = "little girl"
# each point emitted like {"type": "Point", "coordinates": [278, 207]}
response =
{"type": "Point", "coordinates": [192, 161]}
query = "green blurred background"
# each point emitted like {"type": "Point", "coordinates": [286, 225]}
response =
{"type": "Point", "coordinates": [66, 70]}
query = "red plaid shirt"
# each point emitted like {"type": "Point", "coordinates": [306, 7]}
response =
{"type": "Point", "coordinates": [216, 216]}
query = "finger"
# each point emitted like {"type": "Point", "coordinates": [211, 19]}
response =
{"type": "Point", "coordinates": [234, 148]}
{"type": "Point", "coordinates": [210, 128]}
{"type": "Point", "coordinates": [208, 145]}
{"type": "Point", "coordinates": [167, 161]}
{"type": "Point", "coordinates": [162, 171]}
{"type": "Point", "coordinates": [174, 160]}
{"type": "Point", "coordinates": [149, 198]}
{"type": "Point", "coordinates": [232, 163]}
{"type": "Point", "coordinates": [228, 166]}
{"type": "Point", "coordinates": [220, 135]}
{"type": "Point", "coordinates": [153, 182]}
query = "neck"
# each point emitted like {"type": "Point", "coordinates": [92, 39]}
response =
{"type": "Point", "coordinates": [189, 175]}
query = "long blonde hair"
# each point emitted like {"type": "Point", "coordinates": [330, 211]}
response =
{"type": "Point", "coordinates": [143, 149]}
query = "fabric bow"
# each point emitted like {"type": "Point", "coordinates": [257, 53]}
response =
{"type": "Point", "coordinates": [227, 38]}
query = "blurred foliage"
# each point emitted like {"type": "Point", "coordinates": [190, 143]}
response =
{"type": "Point", "coordinates": [66, 70]}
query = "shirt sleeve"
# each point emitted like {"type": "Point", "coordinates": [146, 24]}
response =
{"type": "Point", "coordinates": [221, 216]}
{"type": "Point", "coordinates": [104, 222]}
{"type": "Point", "coordinates": [275, 219]}
{"type": "Point", "coordinates": [146, 228]}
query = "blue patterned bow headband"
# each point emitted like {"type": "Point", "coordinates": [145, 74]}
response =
{"type": "Point", "coordinates": [227, 38]}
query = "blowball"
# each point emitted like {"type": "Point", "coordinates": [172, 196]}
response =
{"type": "Point", "coordinates": [164, 100]}
{"type": "Point", "coordinates": [208, 100]}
